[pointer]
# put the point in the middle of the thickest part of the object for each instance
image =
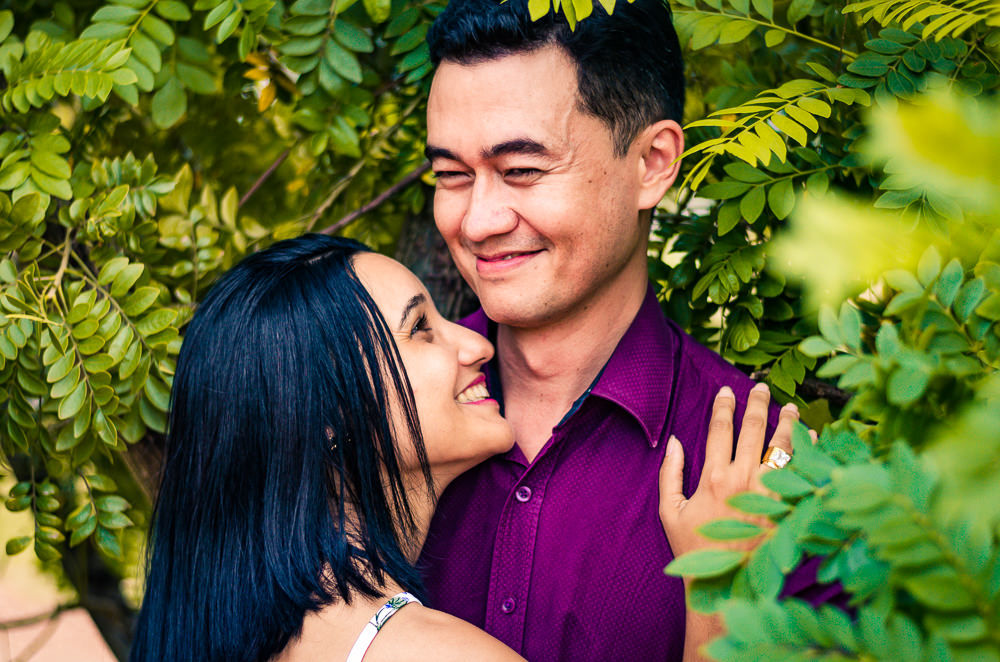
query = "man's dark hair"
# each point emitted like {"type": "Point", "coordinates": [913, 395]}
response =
{"type": "Point", "coordinates": [628, 64]}
{"type": "Point", "coordinates": [278, 431]}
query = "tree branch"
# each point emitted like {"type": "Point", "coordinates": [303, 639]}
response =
{"type": "Point", "coordinates": [379, 199]}
{"type": "Point", "coordinates": [263, 178]}
{"type": "Point", "coordinates": [344, 181]}
{"type": "Point", "coordinates": [38, 618]}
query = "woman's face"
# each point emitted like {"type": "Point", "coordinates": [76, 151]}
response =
{"type": "Point", "coordinates": [460, 423]}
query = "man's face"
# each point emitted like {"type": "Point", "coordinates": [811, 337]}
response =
{"type": "Point", "coordinates": [540, 215]}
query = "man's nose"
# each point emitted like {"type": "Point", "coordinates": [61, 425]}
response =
{"type": "Point", "coordinates": [489, 213]}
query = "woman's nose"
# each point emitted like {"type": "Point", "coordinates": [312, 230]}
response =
{"type": "Point", "coordinates": [473, 349]}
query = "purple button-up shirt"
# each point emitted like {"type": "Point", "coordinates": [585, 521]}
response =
{"type": "Point", "coordinates": [562, 558]}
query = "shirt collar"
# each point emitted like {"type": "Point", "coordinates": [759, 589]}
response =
{"type": "Point", "coordinates": [639, 375]}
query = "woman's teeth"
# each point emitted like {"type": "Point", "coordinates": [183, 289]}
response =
{"type": "Point", "coordinates": [474, 393]}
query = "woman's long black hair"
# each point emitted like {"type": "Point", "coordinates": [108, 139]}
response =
{"type": "Point", "coordinates": [281, 488]}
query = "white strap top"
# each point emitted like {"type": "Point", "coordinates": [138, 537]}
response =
{"type": "Point", "coordinates": [367, 635]}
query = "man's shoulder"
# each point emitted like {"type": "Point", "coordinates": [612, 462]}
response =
{"type": "Point", "coordinates": [698, 364]}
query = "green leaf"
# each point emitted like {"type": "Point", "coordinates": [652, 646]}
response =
{"type": "Point", "coordinates": [538, 8]}
{"type": "Point", "coordinates": [58, 188]}
{"type": "Point", "coordinates": [729, 529]}
{"type": "Point", "coordinates": [764, 7]}
{"type": "Point", "coordinates": [786, 483]}
{"type": "Point", "coordinates": [752, 204]}
{"type": "Point", "coordinates": [949, 283]}
{"type": "Point", "coordinates": [705, 563]}
{"type": "Point", "coordinates": [781, 198]}
{"type": "Point", "coordinates": [850, 325]}
{"type": "Point", "coordinates": [102, 483]}
{"type": "Point", "coordinates": [125, 279]}
{"type": "Point", "coordinates": [929, 266]}
{"type": "Point", "coordinates": [156, 321]}
{"type": "Point", "coordinates": [111, 269]}
{"type": "Point", "coordinates": [343, 61]}
{"type": "Point", "coordinates": [757, 504]}
{"type": "Point", "coordinates": [13, 175]}
{"type": "Point", "coordinates": [907, 384]}
{"type": "Point", "coordinates": [729, 217]}
{"type": "Point", "coordinates": [139, 301]}
{"type": "Point", "coordinates": [107, 542]}
{"type": "Point", "coordinates": [727, 188]}
{"type": "Point", "coordinates": [940, 588]}
{"type": "Point", "coordinates": [378, 10]}
{"type": "Point", "coordinates": [50, 163]}
{"type": "Point", "coordinates": [112, 503]}
{"type": "Point", "coordinates": [159, 395]}
{"type": "Point", "coordinates": [6, 23]}
{"type": "Point", "coordinates": [798, 10]}
{"type": "Point", "coordinates": [169, 104]}
{"type": "Point", "coordinates": [83, 532]}
{"type": "Point", "coordinates": [17, 545]}
{"type": "Point", "coordinates": [113, 520]}
{"type": "Point", "coordinates": [969, 298]}
{"type": "Point", "coordinates": [172, 10]}
{"type": "Point", "coordinates": [8, 273]}
{"type": "Point", "coordinates": [72, 403]}
{"type": "Point", "coordinates": [156, 28]}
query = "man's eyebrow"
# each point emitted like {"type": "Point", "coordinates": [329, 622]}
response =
{"type": "Point", "coordinates": [414, 301]}
{"type": "Point", "coordinates": [522, 146]}
{"type": "Point", "coordinates": [515, 146]}
{"type": "Point", "coordinates": [432, 152]}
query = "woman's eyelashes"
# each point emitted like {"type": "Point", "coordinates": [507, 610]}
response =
{"type": "Point", "coordinates": [420, 325]}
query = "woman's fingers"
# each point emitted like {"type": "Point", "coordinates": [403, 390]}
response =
{"type": "Point", "coordinates": [671, 480]}
{"type": "Point", "coordinates": [751, 442]}
{"type": "Point", "coordinates": [783, 433]}
{"type": "Point", "coordinates": [719, 446]}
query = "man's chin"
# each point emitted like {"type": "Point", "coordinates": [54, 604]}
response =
{"type": "Point", "coordinates": [516, 310]}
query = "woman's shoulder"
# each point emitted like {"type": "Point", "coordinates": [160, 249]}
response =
{"type": "Point", "coordinates": [420, 633]}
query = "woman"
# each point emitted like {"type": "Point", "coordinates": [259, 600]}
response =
{"type": "Point", "coordinates": [298, 483]}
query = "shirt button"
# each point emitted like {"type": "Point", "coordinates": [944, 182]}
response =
{"type": "Point", "coordinates": [508, 605]}
{"type": "Point", "coordinates": [523, 494]}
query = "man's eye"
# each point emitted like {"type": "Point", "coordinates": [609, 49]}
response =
{"type": "Point", "coordinates": [448, 174]}
{"type": "Point", "coordinates": [522, 173]}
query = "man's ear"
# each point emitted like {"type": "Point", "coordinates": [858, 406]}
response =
{"type": "Point", "coordinates": [661, 144]}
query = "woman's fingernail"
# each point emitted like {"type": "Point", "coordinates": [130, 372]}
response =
{"type": "Point", "coordinates": [790, 407]}
{"type": "Point", "coordinates": [726, 392]}
{"type": "Point", "coordinates": [761, 386]}
{"type": "Point", "coordinates": [671, 444]}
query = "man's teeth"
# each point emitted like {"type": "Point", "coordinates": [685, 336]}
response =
{"type": "Point", "coordinates": [473, 394]}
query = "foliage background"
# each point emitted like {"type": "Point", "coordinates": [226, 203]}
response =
{"type": "Point", "coordinates": [835, 233]}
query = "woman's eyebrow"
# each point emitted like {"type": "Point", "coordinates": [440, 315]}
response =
{"type": "Point", "coordinates": [414, 301]}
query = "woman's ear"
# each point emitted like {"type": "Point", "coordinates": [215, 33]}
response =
{"type": "Point", "coordinates": [662, 144]}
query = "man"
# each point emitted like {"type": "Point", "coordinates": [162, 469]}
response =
{"type": "Point", "coordinates": [550, 148]}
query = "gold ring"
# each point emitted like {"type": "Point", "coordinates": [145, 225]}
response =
{"type": "Point", "coordinates": [776, 458]}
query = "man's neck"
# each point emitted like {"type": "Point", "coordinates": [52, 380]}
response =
{"type": "Point", "coordinates": [545, 370]}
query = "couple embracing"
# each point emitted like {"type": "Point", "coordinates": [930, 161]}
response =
{"type": "Point", "coordinates": [351, 476]}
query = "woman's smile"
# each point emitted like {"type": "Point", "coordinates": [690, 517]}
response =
{"type": "Point", "coordinates": [475, 393]}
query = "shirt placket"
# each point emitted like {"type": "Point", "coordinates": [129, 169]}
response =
{"type": "Point", "coordinates": [513, 552]}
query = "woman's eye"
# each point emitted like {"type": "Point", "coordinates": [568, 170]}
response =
{"type": "Point", "coordinates": [420, 326]}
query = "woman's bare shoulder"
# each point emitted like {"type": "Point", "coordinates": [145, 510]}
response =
{"type": "Point", "coordinates": [420, 633]}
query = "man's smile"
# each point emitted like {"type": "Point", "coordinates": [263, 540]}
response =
{"type": "Point", "coordinates": [501, 262]}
